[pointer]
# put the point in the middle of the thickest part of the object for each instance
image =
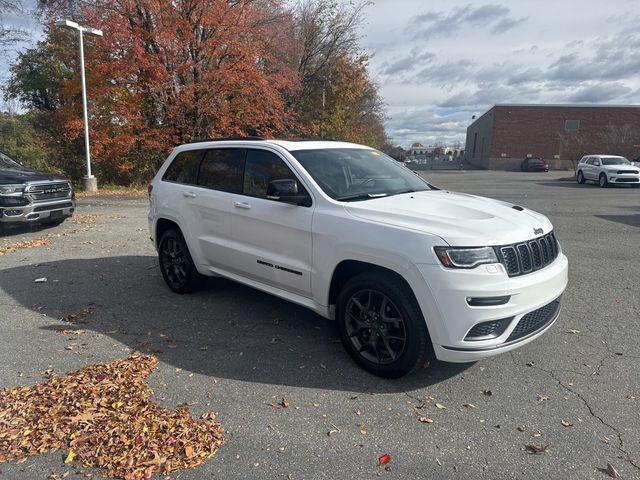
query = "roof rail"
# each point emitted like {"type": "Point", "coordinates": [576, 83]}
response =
{"type": "Point", "coordinates": [222, 139]}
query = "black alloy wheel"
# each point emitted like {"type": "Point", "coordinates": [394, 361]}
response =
{"type": "Point", "coordinates": [381, 325]}
{"type": "Point", "coordinates": [580, 177]}
{"type": "Point", "coordinates": [176, 264]}
{"type": "Point", "coordinates": [602, 180]}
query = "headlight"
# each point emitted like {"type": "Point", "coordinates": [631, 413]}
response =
{"type": "Point", "coordinates": [456, 257]}
{"type": "Point", "coordinates": [7, 189]}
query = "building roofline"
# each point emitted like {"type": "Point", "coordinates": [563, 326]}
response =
{"type": "Point", "coordinates": [556, 105]}
{"type": "Point", "coordinates": [565, 105]}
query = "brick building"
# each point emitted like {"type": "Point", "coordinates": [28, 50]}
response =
{"type": "Point", "coordinates": [561, 134]}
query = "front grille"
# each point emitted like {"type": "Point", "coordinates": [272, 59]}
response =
{"type": "Point", "coordinates": [53, 207]}
{"type": "Point", "coordinates": [622, 172]}
{"type": "Point", "coordinates": [535, 320]}
{"type": "Point", "coordinates": [529, 256]}
{"type": "Point", "coordinates": [627, 180]}
{"type": "Point", "coordinates": [49, 191]}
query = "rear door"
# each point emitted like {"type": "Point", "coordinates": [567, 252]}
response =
{"type": "Point", "coordinates": [272, 239]}
{"type": "Point", "coordinates": [209, 206]}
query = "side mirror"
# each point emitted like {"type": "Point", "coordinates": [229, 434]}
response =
{"type": "Point", "coordinates": [285, 190]}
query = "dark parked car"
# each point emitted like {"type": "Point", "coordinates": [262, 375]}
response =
{"type": "Point", "coordinates": [534, 165]}
{"type": "Point", "coordinates": [27, 196]}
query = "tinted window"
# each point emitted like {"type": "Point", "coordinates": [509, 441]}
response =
{"type": "Point", "coordinates": [184, 168]}
{"type": "Point", "coordinates": [221, 169]}
{"type": "Point", "coordinates": [590, 161]}
{"type": "Point", "coordinates": [261, 167]}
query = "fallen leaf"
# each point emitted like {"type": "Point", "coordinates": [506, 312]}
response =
{"type": "Point", "coordinates": [188, 451]}
{"type": "Point", "coordinates": [538, 449]}
{"type": "Point", "coordinates": [530, 364]}
{"type": "Point", "coordinates": [284, 403]}
{"type": "Point", "coordinates": [520, 428]}
{"type": "Point", "coordinates": [440, 406]}
{"type": "Point", "coordinates": [70, 456]}
{"type": "Point", "coordinates": [567, 423]}
{"type": "Point", "coordinates": [612, 472]}
{"type": "Point", "coordinates": [332, 431]}
{"type": "Point", "coordinates": [384, 459]}
{"type": "Point", "coordinates": [470, 405]}
{"type": "Point", "coordinates": [573, 331]}
{"type": "Point", "coordinates": [542, 398]}
{"type": "Point", "coordinates": [40, 280]}
{"type": "Point", "coordinates": [71, 331]}
{"type": "Point", "coordinates": [425, 419]}
{"type": "Point", "coordinates": [488, 393]}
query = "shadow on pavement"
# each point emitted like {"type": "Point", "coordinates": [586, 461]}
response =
{"type": "Point", "coordinates": [226, 330]}
{"type": "Point", "coordinates": [631, 220]}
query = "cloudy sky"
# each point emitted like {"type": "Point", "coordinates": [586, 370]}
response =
{"type": "Point", "coordinates": [439, 63]}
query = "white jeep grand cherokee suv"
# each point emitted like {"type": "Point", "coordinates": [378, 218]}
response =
{"type": "Point", "coordinates": [409, 271]}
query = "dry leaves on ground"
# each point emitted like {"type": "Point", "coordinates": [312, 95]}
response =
{"type": "Point", "coordinates": [84, 218]}
{"type": "Point", "coordinates": [102, 417]}
{"type": "Point", "coordinates": [115, 192]}
{"type": "Point", "coordinates": [38, 242]}
{"type": "Point", "coordinates": [537, 449]}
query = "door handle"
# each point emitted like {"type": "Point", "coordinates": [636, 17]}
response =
{"type": "Point", "coordinates": [189, 194]}
{"type": "Point", "coordinates": [244, 205]}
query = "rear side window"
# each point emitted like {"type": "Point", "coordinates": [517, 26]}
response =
{"type": "Point", "coordinates": [262, 167]}
{"type": "Point", "coordinates": [221, 169]}
{"type": "Point", "coordinates": [184, 168]}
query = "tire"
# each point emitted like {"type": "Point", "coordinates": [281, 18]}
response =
{"type": "Point", "coordinates": [388, 348]}
{"type": "Point", "coordinates": [602, 180]}
{"type": "Point", "coordinates": [176, 264]}
{"type": "Point", "coordinates": [580, 177]}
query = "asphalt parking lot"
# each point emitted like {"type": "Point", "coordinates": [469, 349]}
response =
{"type": "Point", "coordinates": [575, 391]}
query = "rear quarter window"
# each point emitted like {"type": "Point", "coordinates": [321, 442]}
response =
{"type": "Point", "coordinates": [184, 168]}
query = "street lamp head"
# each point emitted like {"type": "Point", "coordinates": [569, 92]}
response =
{"type": "Point", "coordinates": [67, 24]}
{"type": "Point", "coordinates": [74, 25]}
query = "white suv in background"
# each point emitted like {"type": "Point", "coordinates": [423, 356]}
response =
{"type": "Point", "coordinates": [607, 169]}
{"type": "Point", "coordinates": [409, 271]}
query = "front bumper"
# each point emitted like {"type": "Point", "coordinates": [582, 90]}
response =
{"type": "Point", "coordinates": [445, 296]}
{"type": "Point", "coordinates": [38, 212]}
{"type": "Point", "coordinates": [630, 178]}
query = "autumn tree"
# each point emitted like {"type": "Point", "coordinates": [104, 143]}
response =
{"type": "Point", "coordinates": [172, 72]}
{"type": "Point", "coordinates": [337, 99]}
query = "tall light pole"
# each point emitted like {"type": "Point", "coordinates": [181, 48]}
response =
{"type": "Point", "coordinates": [89, 182]}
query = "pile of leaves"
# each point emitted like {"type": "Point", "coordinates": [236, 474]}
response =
{"type": "Point", "coordinates": [101, 416]}
{"type": "Point", "coordinates": [38, 242]}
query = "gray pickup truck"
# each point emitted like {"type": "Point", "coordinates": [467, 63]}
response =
{"type": "Point", "coordinates": [28, 196]}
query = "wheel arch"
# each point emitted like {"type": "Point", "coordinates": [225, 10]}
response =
{"type": "Point", "coordinates": [162, 225]}
{"type": "Point", "coordinates": [348, 269]}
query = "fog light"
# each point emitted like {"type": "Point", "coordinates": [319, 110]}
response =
{"type": "Point", "coordinates": [12, 213]}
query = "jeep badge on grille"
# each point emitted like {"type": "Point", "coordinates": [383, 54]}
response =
{"type": "Point", "coordinates": [538, 231]}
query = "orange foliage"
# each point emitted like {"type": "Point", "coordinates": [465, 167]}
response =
{"type": "Point", "coordinates": [170, 72]}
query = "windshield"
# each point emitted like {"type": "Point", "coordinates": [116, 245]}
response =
{"type": "Point", "coordinates": [6, 162]}
{"type": "Point", "coordinates": [358, 173]}
{"type": "Point", "coordinates": [615, 161]}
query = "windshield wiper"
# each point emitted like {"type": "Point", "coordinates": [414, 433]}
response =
{"type": "Point", "coordinates": [361, 196]}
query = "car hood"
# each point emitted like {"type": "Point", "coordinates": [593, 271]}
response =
{"type": "Point", "coordinates": [615, 168]}
{"type": "Point", "coordinates": [458, 218]}
{"type": "Point", "coordinates": [17, 176]}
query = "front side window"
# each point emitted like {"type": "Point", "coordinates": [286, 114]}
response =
{"type": "Point", "coordinates": [350, 174]}
{"type": "Point", "coordinates": [184, 168]}
{"type": "Point", "coordinates": [221, 169]}
{"type": "Point", "coordinates": [590, 161]}
{"type": "Point", "coordinates": [262, 167]}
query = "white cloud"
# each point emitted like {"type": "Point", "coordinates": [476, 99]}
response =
{"type": "Point", "coordinates": [468, 56]}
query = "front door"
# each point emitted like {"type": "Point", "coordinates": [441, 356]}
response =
{"type": "Point", "coordinates": [272, 239]}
